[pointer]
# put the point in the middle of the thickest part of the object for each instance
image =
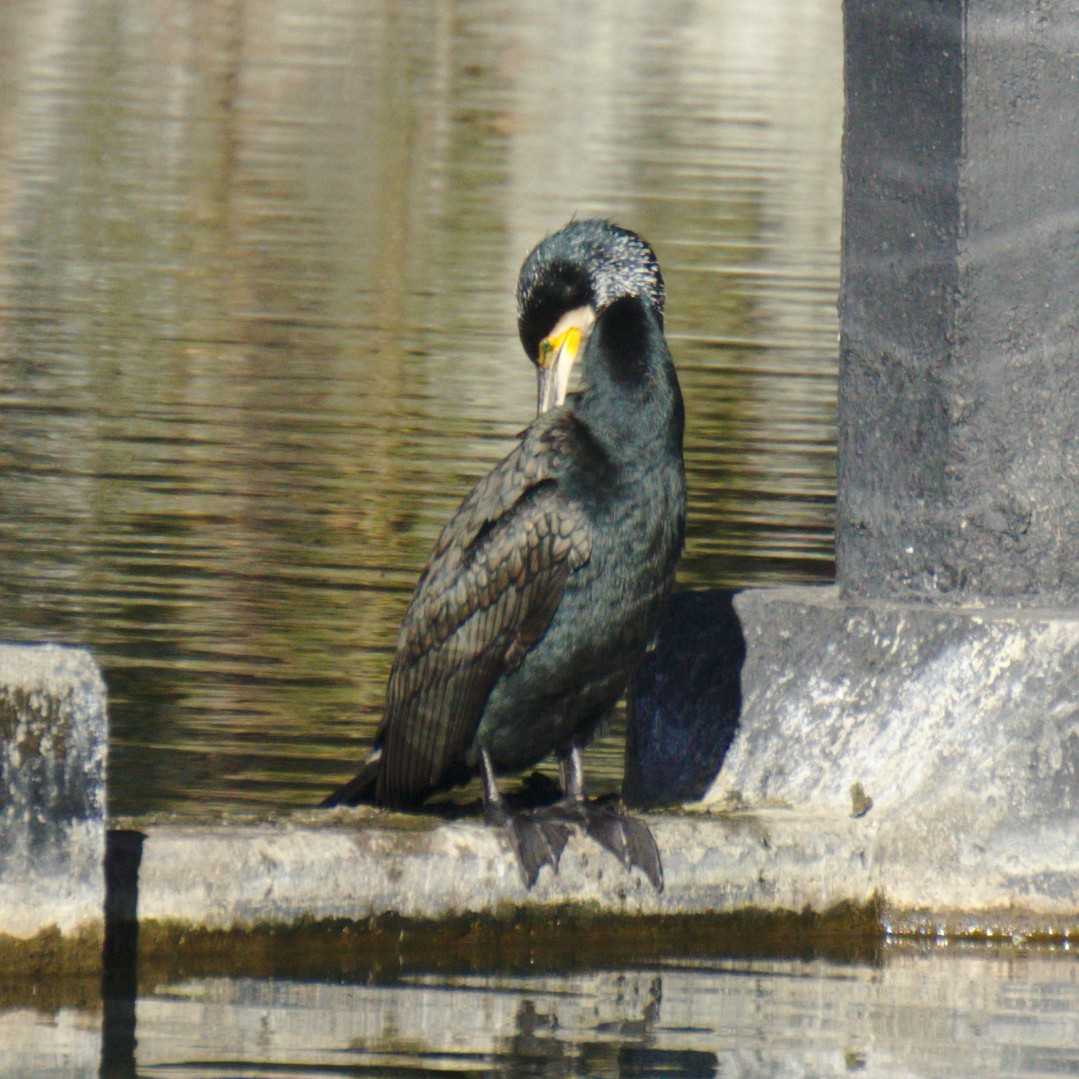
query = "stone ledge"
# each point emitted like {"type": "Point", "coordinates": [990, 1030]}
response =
{"type": "Point", "coordinates": [359, 865]}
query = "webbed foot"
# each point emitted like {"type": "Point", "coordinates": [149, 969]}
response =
{"type": "Point", "coordinates": [536, 841]}
{"type": "Point", "coordinates": [628, 839]}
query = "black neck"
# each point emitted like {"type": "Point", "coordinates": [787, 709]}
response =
{"type": "Point", "coordinates": [631, 389]}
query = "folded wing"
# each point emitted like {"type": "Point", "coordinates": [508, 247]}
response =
{"type": "Point", "coordinates": [489, 592]}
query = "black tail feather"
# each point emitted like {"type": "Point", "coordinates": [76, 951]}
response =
{"type": "Point", "coordinates": [359, 790]}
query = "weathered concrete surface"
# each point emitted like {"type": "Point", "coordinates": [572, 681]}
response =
{"type": "Point", "coordinates": [959, 354]}
{"type": "Point", "coordinates": [361, 864]}
{"type": "Point", "coordinates": [952, 734]}
{"type": "Point", "coordinates": [53, 748]}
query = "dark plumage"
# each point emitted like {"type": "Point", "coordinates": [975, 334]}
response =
{"type": "Point", "coordinates": [545, 587]}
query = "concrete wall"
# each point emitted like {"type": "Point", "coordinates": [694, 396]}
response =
{"type": "Point", "coordinates": [53, 750]}
{"type": "Point", "coordinates": [959, 383]}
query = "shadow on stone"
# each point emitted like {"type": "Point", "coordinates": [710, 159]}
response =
{"type": "Point", "coordinates": [686, 701]}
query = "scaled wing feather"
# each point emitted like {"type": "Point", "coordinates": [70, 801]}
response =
{"type": "Point", "coordinates": [488, 594]}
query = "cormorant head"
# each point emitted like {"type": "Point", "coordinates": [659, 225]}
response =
{"type": "Point", "coordinates": [564, 286]}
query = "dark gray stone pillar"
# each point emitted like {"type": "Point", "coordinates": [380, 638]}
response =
{"type": "Point", "coordinates": [959, 381]}
{"type": "Point", "coordinates": [933, 698]}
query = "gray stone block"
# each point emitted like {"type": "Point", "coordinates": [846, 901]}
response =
{"type": "Point", "coordinates": [53, 749]}
{"type": "Point", "coordinates": [950, 735]}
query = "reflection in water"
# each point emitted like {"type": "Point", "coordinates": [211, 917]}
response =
{"type": "Point", "coordinates": [958, 1013]}
{"type": "Point", "coordinates": [256, 270]}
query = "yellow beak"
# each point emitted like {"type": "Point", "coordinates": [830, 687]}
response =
{"type": "Point", "coordinates": [557, 355]}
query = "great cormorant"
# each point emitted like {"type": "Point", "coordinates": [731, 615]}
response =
{"type": "Point", "coordinates": [545, 588]}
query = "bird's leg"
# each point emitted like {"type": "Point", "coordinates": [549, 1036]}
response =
{"type": "Point", "coordinates": [536, 841]}
{"type": "Point", "coordinates": [628, 839]}
{"type": "Point", "coordinates": [571, 772]}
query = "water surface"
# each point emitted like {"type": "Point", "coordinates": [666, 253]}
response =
{"type": "Point", "coordinates": [257, 336]}
{"type": "Point", "coordinates": [911, 1011]}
